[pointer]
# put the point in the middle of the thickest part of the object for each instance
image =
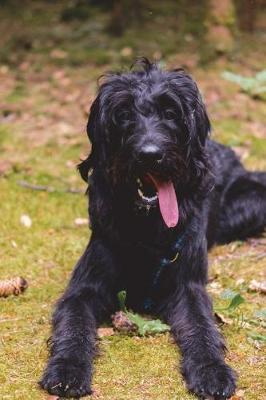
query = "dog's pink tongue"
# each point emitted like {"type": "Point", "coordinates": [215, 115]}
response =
{"type": "Point", "coordinates": [167, 201]}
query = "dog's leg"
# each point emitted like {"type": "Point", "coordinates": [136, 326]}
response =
{"type": "Point", "coordinates": [192, 324]}
{"type": "Point", "coordinates": [243, 212]}
{"type": "Point", "coordinates": [88, 298]}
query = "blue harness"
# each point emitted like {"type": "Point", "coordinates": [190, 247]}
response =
{"type": "Point", "coordinates": [164, 262]}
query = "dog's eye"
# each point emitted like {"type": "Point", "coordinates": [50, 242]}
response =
{"type": "Point", "coordinates": [124, 115]}
{"type": "Point", "coordinates": [169, 114]}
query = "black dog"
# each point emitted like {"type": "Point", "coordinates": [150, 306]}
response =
{"type": "Point", "coordinates": [160, 193]}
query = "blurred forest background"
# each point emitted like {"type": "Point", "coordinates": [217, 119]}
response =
{"type": "Point", "coordinates": [51, 55]}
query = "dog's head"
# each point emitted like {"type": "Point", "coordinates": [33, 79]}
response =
{"type": "Point", "coordinates": [148, 129]}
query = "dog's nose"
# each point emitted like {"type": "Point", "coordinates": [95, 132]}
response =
{"type": "Point", "coordinates": [150, 154]}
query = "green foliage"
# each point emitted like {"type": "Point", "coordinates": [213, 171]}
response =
{"type": "Point", "coordinates": [253, 86]}
{"type": "Point", "coordinates": [147, 327]}
{"type": "Point", "coordinates": [257, 336]}
{"type": "Point", "coordinates": [228, 294]}
{"type": "Point", "coordinates": [235, 300]}
{"type": "Point", "coordinates": [261, 314]}
{"type": "Point", "coordinates": [144, 326]}
{"type": "Point", "coordinates": [122, 295]}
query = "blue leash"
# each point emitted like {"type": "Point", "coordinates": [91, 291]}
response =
{"type": "Point", "coordinates": [148, 302]}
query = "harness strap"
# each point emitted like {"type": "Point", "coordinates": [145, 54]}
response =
{"type": "Point", "coordinates": [148, 302]}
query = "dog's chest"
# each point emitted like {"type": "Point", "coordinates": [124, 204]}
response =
{"type": "Point", "coordinates": [147, 273]}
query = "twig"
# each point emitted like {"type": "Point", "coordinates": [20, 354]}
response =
{"type": "Point", "coordinates": [50, 189]}
{"type": "Point", "coordinates": [261, 255]}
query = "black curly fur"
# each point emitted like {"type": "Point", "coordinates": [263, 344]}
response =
{"type": "Point", "coordinates": [219, 201]}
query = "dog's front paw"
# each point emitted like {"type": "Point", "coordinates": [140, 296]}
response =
{"type": "Point", "coordinates": [216, 380]}
{"type": "Point", "coordinates": [66, 378]}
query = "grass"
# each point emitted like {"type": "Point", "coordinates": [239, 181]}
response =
{"type": "Point", "coordinates": [45, 101]}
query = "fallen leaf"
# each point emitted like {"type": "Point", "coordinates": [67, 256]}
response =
{"type": "Point", "coordinates": [256, 336]}
{"type": "Point", "coordinates": [59, 54]}
{"type": "Point", "coordinates": [71, 164]}
{"type": "Point", "coordinates": [102, 332]}
{"type": "Point", "coordinates": [5, 167]}
{"type": "Point", "coordinates": [256, 360]}
{"type": "Point", "coordinates": [257, 242]}
{"type": "Point", "coordinates": [241, 151]}
{"type": "Point", "coordinates": [126, 52]}
{"type": "Point", "coordinates": [81, 221]}
{"type": "Point", "coordinates": [239, 395]}
{"type": "Point", "coordinates": [4, 69]}
{"type": "Point", "coordinates": [122, 323]}
{"type": "Point", "coordinates": [256, 286]}
{"type": "Point", "coordinates": [215, 287]}
{"type": "Point", "coordinates": [26, 220]}
{"type": "Point", "coordinates": [240, 392]}
{"type": "Point", "coordinates": [14, 244]}
{"type": "Point", "coordinates": [157, 55]}
{"type": "Point", "coordinates": [221, 319]}
{"type": "Point", "coordinates": [240, 281]}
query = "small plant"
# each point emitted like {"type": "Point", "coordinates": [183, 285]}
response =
{"type": "Point", "coordinates": [253, 86]}
{"type": "Point", "coordinates": [235, 300]}
{"type": "Point", "coordinates": [231, 312]}
{"type": "Point", "coordinates": [129, 322]}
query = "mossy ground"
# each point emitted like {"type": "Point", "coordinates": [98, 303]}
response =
{"type": "Point", "coordinates": [46, 89]}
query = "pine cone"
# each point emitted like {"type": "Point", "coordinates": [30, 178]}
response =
{"type": "Point", "coordinates": [12, 286]}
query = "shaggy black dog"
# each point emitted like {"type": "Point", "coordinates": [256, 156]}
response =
{"type": "Point", "coordinates": [160, 193]}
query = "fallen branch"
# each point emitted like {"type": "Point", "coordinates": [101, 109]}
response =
{"type": "Point", "coordinates": [50, 189]}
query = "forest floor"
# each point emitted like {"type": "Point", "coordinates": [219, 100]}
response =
{"type": "Point", "coordinates": [48, 78]}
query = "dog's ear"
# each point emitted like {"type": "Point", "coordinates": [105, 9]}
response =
{"type": "Point", "coordinates": [198, 120]}
{"type": "Point", "coordinates": [95, 132]}
{"type": "Point", "coordinates": [196, 123]}
{"type": "Point", "coordinates": [193, 109]}
{"type": "Point", "coordinates": [199, 130]}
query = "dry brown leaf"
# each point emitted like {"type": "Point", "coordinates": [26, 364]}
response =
{"type": "Point", "coordinates": [256, 286]}
{"type": "Point", "coordinates": [26, 220]}
{"type": "Point", "coordinates": [81, 221]}
{"type": "Point", "coordinates": [215, 287]}
{"type": "Point", "coordinates": [239, 395]}
{"type": "Point", "coordinates": [122, 323]}
{"type": "Point", "coordinates": [5, 167]}
{"type": "Point", "coordinates": [102, 332]}
{"type": "Point", "coordinates": [241, 151]}
{"type": "Point", "coordinates": [58, 53]}
{"type": "Point", "coordinates": [126, 52]}
{"type": "Point", "coordinates": [221, 319]}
